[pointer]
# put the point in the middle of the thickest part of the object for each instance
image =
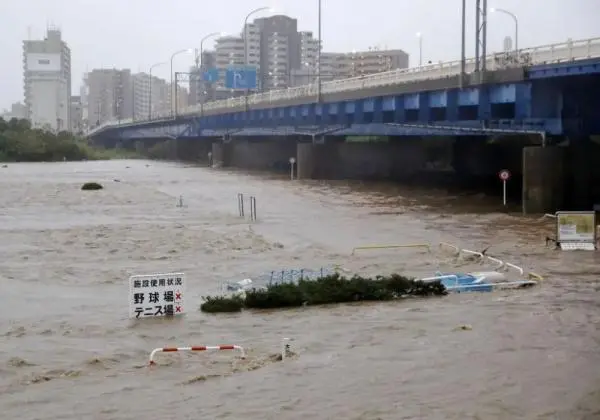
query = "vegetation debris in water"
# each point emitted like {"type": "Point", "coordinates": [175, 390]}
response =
{"type": "Point", "coordinates": [325, 290]}
{"type": "Point", "coordinates": [91, 186]}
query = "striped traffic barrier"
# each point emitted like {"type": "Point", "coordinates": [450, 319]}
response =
{"type": "Point", "coordinates": [195, 348]}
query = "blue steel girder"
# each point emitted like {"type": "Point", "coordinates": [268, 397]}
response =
{"type": "Point", "coordinates": [393, 129]}
{"type": "Point", "coordinates": [310, 131]}
{"type": "Point", "coordinates": [579, 68]}
{"type": "Point", "coordinates": [168, 130]}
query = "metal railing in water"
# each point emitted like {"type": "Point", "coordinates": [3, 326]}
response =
{"type": "Point", "coordinates": [546, 54]}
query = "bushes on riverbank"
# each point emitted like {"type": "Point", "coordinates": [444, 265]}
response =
{"type": "Point", "coordinates": [326, 290]}
{"type": "Point", "coordinates": [19, 142]}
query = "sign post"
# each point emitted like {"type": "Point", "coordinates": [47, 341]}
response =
{"type": "Point", "coordinates": [576, 230]}
{"type": "Point", "coordinates": [156, 295]}
{"type": "Point", "coordinates": [292, 162]}
{"type": "Point", "coordinates": [504, 176]}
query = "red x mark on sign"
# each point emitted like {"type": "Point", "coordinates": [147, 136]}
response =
{"type": "Point", "coordinates": [177, 296]}
{"type": "Point", "coordinates": [178, 309]}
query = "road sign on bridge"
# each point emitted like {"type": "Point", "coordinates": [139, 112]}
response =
{"type": "Point", "coordinates": [210, 75]}
{"type": "Point", "coordinates": [240, 78]}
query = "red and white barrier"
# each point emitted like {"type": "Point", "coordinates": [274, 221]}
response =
{"type": "Point", "coordinates": [196, 348]}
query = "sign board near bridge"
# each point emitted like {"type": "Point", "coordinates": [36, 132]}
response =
{"type": "Point", "coordinates": [156, 295]}
{"type": "Point", "coordinates": [240, 78]}
{"type": "Point", "coordinates": [576, 229]}
{"type": "Point", "coordinates": [211, 75]}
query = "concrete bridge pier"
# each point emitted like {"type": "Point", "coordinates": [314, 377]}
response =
{"type": "Point", "coordinates": [221, 154]}
{"type": "Point", "coordinates": [395, 159]}
{"type": "Point", "coordinates": [579, 164]}
{"type": "Point", "coordinates": [264, 153]}
{"type": "Point", "coordinates": [543, 179]}
{"type": "Point", "coordinates": [193, 149]}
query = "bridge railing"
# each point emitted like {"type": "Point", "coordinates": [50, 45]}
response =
{"type": "Point", "coordinates": [552, 53]}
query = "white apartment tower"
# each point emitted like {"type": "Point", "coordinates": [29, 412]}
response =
{"type": "Point", "coordinates": [47, 81]}
{"type": "Point", "coordinates": [110, 95]}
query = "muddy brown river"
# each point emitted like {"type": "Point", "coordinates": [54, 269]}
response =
{"type": "Point", "coordinates": [69, 351]}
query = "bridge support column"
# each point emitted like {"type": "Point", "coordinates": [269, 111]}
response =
{"type": "Point", "coordinates": [221, 154]}
{"type": "Point", "coordinates": [579, 174]}
{"type": "Point", "coordinates": [264, 153]}
{"type": "Point", "coordinates": [543, 179]}
{"type": "Point", "coordinates": [368, 160]}
{"type": "Point", "coordinates": [193, 149]}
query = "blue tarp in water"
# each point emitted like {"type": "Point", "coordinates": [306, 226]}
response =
{"type": "Point", "coordinates": [460, 282]}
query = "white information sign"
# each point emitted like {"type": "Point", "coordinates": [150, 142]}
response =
{"type": "Point", "coordinates": [576, 226]}
{"type": "Point", "coordinates": [156, 295]}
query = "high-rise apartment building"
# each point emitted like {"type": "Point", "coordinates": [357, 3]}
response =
{"type": "Point", "coordinates": [376, 61]}
{"type": "Point", "coordinates": [159, 91]}
{"type": "Point", "coordinates": [309, 50]}
{"type": "Point", "coordinates": [353, 64]}
{"type": "Point", "coordinates": [17, 110]}
{"type": "Point", "coordinates": [280, 51]}
{"type": "Point", "coordinates": [285, 57]}
{"type": "Point", "coordinates": [47, 81]}
{"type": "Point", "coordinates": [110, 95]}
{"type": "Point", "coordinates": [141, 95]}
{"type": "Point", "coordinates": [201, 89]}
{"type": "Point", "coordinates": [76, 114]}
{"type": "Point", "coordinates": [84, 91]}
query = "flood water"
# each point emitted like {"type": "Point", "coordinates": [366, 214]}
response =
{"type": "Point", "coordinates": [69, 351]}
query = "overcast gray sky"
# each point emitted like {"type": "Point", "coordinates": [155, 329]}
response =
{"type": "Point", "coordinates": [138, 33]}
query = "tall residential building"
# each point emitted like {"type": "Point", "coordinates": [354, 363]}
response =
{"type": "Point", "coordinates": [229, 51]}
{"type": "Point", "coordinates": [17, 110]}
{"type": "Point", "coordinates": [110, 95]}
{"type": "Point", "coordinates": [76, 115]}
{"type": "Point", "coordinates": [204, 90]}
{"type": "Point", "coordinates": [285, 57]}
{"type": "Point", "coordinates": [280, 51]}
{"type": "Point", "coordinates": [179, 97]}
{"type": "Point", "coordinates": [158, 89]}
{"type": "Point", "coordinates": [47, 81]}
{"type": "Point", "coordinates": [376, 61]}
{"type": "Point", "coordinates": [84, 92]}
{"type": "Point", "coordinates": [141, 95]}
{"type": "Point", "coordinates": [353, 64]}
{"type": "Point", "coordinates": [309, 49]}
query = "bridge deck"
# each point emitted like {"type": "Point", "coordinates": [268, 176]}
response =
{"type": "Point", "coordinates": [443, 75]}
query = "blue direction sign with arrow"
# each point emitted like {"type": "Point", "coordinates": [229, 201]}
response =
{"type": "Point", "coordinates": [240, 78]}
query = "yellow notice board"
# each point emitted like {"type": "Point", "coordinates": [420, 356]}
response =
{"type": "Point", "coordinates": [576, 226]}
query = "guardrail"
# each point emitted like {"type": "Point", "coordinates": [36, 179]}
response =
{"type": "Point", "coordinates": [151, 361]}
{"type": "Point", "coordinates": [546, 54]}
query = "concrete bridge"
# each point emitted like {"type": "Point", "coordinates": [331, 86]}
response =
{"type": "Point", "coordinates": [533, 112]}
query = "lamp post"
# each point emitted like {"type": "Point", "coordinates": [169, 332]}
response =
{"type": "Point", "coordinates": [202, 43]}
{"type": "Point", "coordinates": [150, 89]}
{"type": "Point", "coordinates": [420, 36]}
{"type": "Point", "coordinates": [176, 53]}
{"type": "Point", "coordinates": [514, 18]}
{"type": "Point", "coordinates": [200, 65]}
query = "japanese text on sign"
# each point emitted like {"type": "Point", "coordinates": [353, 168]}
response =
{"type": "Point", "coordinates": [156, 295]}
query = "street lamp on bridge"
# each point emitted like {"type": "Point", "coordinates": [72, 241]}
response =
{"type": "Point", "coordinates": [176, 53]}
{"type": "Point", "coordinates": [515, 19]}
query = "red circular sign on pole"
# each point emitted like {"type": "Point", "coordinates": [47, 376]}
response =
{"type": "Point", "coordinates": [504, 175]}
